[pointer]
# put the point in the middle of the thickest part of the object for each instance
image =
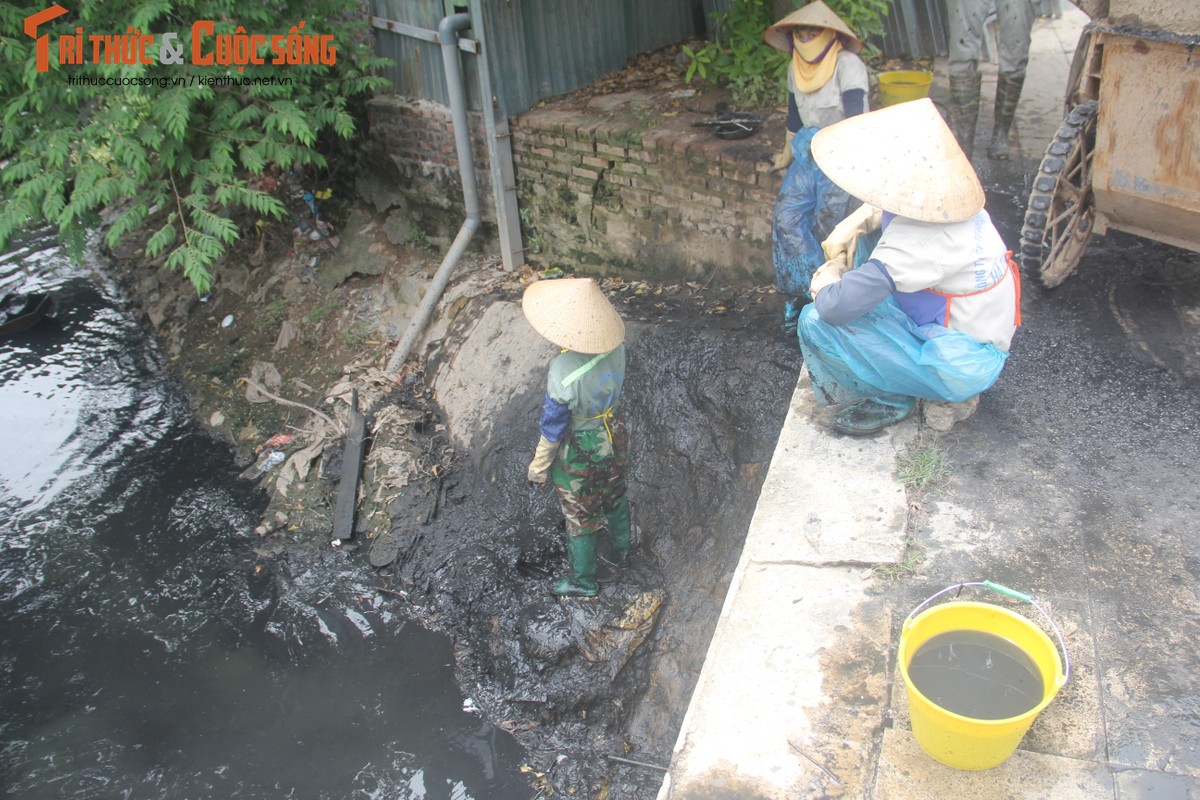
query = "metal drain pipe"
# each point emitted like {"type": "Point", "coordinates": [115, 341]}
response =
{"type": "Point", "coordinates": [447, 30]}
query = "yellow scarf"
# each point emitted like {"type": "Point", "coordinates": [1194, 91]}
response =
{"type": "Point", "coordinates": [810, 69]}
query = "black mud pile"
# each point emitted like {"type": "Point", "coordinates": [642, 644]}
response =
{"type": "Point", "coordinates": [577, 681]}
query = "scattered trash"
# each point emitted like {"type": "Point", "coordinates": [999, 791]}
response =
{"type": "Point", "coordinates": [225, 323]}
{"type": "Point", "coordinates": [271, 458]}
{"type": "Point", "coordinates": [264, 379]}
{"type": "Point", "coordinates": [278, 440]}
{"type": "Point", "coordinates": [620, 760]}
{"type": "Point", "coordinates": [728, 124]}
{"type": "Point", "coordinates": [470, 707]}
{"type": "Point", "coordinates": [268, 460]}
{"type": "Point", "coordinates": [288, 333]}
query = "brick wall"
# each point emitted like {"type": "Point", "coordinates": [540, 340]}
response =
{"type": "Point", "coordinates": [617, 195]}
{"type": "Point", "coordinates": [611, 194]}
{"type": "Point", "coordinates": [411, 173]}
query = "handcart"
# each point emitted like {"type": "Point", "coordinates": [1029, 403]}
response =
{"type": "Point", "coordinates": [1127, 155]}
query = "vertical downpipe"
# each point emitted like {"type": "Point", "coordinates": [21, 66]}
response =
{"type": "Point", "coordinates": [448, 30]}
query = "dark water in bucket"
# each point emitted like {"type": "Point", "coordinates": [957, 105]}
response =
{"type": "Point", "coordinates": [976, 674]}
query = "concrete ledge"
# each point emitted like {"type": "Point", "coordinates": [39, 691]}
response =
{"type": "Point", "coordinates": [829, 498]}
{"type": "Point", "coordinates": [792, 692]}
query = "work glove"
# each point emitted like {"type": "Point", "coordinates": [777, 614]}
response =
{"type": "Point", "coordinates": [829, 272]}
{"type": "Point", "coordinates": [543, 458]}
{"type": "Point", "coordinates": [843, 239]}
{"type": "Point", "coordinates": [784, 159]}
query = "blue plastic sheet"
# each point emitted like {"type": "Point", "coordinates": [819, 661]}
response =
{"type": "Point", "coordinates": [884, 352]}
{"type": "Point", "coordinates": [809, 205]}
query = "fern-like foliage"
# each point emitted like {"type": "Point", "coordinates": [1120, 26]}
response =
{"type": "Point", "coordinates": [163, 144]}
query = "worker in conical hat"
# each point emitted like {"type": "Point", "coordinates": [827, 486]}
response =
{"type": "Point", "coordinates": [583, 439]}
{"type": "Point", "coordinates": [930, 313]}
{"type": "Point", "coordinates": [826, 83]}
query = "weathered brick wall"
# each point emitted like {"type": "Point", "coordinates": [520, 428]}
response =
{"type": "Point", "coordinates": [617, 197]}
{"type": "Point", "coordinates": [412, 171]}
{"type": "Point", "coordinates": [602, 195]}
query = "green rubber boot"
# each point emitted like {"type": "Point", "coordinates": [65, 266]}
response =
{"type": "Point", "coordinates": [618, 529]}
{"type": "Point", "coordinates": [1008, 94]}
{"type": "Point", "coordinates": [870, 416]}
{"type": "Point", "coordinates": [581, 553]}
{"type": "Point", "coordinates": [964, 109]}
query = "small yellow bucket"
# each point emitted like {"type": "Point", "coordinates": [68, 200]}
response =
{"type": "Point", "coordinates": [963, 742]}
{"type": "Point", "coordinates": [901, 85]}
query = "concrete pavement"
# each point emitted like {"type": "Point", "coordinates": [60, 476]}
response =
{"type": "Point", "coordinates": [1075, 482]}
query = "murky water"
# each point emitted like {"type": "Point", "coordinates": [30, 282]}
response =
{"type": "Point", "coordinates": [976, 674]}
{"type": "Point", "coordinates": [144, 650]}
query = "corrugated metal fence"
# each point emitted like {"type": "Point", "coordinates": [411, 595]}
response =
{"type": "Point", "coordinates": [538, 49]}
{"type": "Point", "coordinates": [914, 28]}
{"type": "Point", "coordinates": [535, 48]}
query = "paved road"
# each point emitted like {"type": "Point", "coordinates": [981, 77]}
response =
{"type": "Point", "coordinates": [1077, 481]}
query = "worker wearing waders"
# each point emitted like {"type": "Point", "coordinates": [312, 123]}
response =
{"type": "Point", "coordinates": [968, 28]}
{"type": "Point", "coordinates": [583, 441]}
{"type": "Point", "coordinates": [826, 82]}
{"type": "Point", "coordinates": [930, 314]}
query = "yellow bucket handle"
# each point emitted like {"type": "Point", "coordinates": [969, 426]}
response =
{"type": "Point", "coordinates": [1007, 592]}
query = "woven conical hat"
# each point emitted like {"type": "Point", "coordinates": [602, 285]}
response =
{"type": "Point", "coordinates": [573, 313]}
{"type": "Point", "coordinates": [816, 14]}
{"type": "Point", "coordinates": [903, 159]}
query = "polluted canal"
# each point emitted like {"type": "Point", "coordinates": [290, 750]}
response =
{"type": "Point", "coordinates": [156, 645]}
{"type": "Point", "coordinates": [145, 653]}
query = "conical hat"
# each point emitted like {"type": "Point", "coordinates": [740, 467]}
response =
{"type": "Point", "coordinates": [903, 159]}
{"type": "Point", "coordinates": [816, 14]}
{"type": "Point", "coordinates": [573, 313]}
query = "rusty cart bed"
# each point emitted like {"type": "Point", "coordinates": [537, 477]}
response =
{"type": "Point", "coordinates": [1127, 155]}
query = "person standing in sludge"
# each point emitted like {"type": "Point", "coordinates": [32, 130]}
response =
{"type": "Point", "coordinates": [583, 439]}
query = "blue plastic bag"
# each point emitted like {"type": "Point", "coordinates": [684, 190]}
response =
{"type": "Point", "coordinates": [884, 352]}
{"type": "Point", "coordinates": [807, 208]}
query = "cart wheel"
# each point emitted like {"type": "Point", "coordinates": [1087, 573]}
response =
{"type": "Point", "coordinates": [1058, 221]}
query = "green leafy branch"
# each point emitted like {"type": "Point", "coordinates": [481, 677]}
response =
{"type": "Point", "coordinates": [755, 72]}
{"type": "Point", "coordinates": [170, 151]}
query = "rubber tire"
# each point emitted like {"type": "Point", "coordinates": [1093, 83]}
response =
{"type": "Point", "coordinates": [1065, 171]}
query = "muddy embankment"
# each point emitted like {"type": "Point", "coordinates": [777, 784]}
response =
{"type": "Point", "coordinates": [578, 680]}
{"type": "Point", "coordinates": [447, 530]}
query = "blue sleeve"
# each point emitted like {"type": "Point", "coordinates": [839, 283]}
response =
{"type": "Point", "coordinates": [859, 291]}
{"type": "Point", "coordinates": [853, 101]}
{"type": "Point", "coordinates": [556, 418]}
{"type": "Point", "coordinates": [793, 120]}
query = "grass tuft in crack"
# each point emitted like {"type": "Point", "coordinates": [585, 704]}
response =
{"type": "Point", "coordinates": [923, 465]}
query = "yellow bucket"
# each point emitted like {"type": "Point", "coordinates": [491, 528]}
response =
{"type": "Point", "coordinates": [901, 85]}
{"type": "Point", "coordinates": [963, 742]}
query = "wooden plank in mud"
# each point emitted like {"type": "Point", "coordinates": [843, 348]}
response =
{"type": "Point", "coordinates": [352, 456]}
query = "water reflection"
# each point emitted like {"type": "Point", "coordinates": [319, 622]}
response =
{"type": "Point", "coordinates": [144, 650]}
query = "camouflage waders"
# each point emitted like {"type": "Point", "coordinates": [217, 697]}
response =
{"type": "Point", "coordinates": [968, 31]}
{"type": "Point", "coordinates": [589, 478]}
